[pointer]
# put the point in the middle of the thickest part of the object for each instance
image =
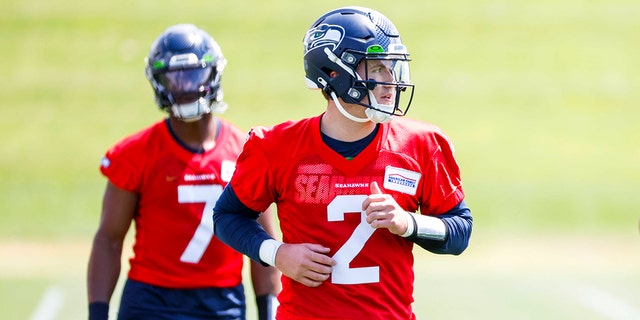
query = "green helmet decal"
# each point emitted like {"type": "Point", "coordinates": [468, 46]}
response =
{"type": "Point", "coordinates": [375, 49]}
{"type": "Point", "coordinates": [208, 58]}
{"type": "Point", "coordinates": [158, 64]}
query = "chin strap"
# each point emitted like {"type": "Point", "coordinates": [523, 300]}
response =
{"type": "Point", "coordinates": [344, 112]}
{"type": "Point", "coordinates": [373, 115]}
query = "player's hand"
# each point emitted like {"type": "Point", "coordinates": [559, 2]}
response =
{"type": "Point", "coordinates": [383, 211]}
{"type": "Point", "coordinates": [306, 263]}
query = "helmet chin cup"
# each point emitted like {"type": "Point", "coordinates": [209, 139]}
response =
{"type": "Point", "coordinates": [378, 116]}
{"type": "Point", "coordinates": [379, 113]}
{"type": "Point", "coordinates": [191, 112]}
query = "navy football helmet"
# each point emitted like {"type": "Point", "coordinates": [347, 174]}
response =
{"type": "Point", "coordinates": [341, 39]}
{"type": "Point", "coordinates": [184, 67]}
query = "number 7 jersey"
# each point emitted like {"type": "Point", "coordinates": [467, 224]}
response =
{"type": "Point", "coordinates": [319, 197]}
{"type": "Point", "coordinates": [174, 243]}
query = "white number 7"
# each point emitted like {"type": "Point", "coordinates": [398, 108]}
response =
{"type": "Point", "coordinates": [208, 194]}
{"type": "Point", "coordinates": [341, 273]}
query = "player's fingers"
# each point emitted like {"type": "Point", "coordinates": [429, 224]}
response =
{"type": "Point", "coordinates": [319, 268]}
{"type": "Point", "coordinates": [375, 196]}
{"type": "Point", "coordinates": [375, 189]}
{"type": "Point", "coordinates": [380, 222]}
{"type": "Point", "coordinates": [366, 203]}
{"type": "Point", "coordinates": [309, 278]}
{"type": "Point", "coordinates": [316, 248]}
{"type": "Point", "coordinates": [317, 276]}
{"type": "Point", "coordinates": [372, 199]}
{"type": "Point", "coordinates": [374, 223]}
{"type": "Point", "coordinates": [322, 260]}
{"type": "Point", "coordinates": [377, 213]}
{"type": "Point", "coordinates": [314, 274]}
{"type": "Point", "coordinates": [309, 282]}
{"type": "Point", "coordinates": [372, 216]}
{"type": "Point", "coordinates": [318, 254]}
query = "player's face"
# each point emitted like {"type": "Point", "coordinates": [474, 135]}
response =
{"type": "Point", "coordinates": [185, 86]}
{"type": "Point", "coordinates": [380, 71]}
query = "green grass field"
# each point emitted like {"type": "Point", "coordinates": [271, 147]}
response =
{"type": "Point", "coordinates": [539, 96]}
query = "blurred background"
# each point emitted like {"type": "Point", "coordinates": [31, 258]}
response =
{"type": "Point", "coordinates": [540, 98]}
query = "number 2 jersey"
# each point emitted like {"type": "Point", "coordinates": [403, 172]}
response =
{"type": "Point", "coordinates": [319, 197]}
{"type": "Point", "coordinates": [174, 244]}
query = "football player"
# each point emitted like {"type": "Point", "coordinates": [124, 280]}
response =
{"type": "Point", "coordinates": [359, 186]}
{"type": "Point", "coordinates": [166, 179]}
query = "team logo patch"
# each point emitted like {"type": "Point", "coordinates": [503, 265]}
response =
{"type": "Point", "coordinates": [323, 35]}
{"type": "Point", "coordinates": [401, 180]}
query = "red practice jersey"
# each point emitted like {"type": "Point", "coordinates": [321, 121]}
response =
{"type": "Point", "coordinates": [319, 197]}
{"type": "Point", "coordinates": [174, 243]}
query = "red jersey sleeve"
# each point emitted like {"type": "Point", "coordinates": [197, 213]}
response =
{"type": "Point", "coordinates": [253, 178]}
{"type": "Point", "coordinates": [442, 183]}
{"type": "Point", "coordinates": [123, 162]}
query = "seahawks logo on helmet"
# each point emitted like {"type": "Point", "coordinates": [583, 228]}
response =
{"type": "Point", "coordinates": [323, 35]}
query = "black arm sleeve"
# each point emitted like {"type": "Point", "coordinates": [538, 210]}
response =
{"type": "Point", "coordinates": [459, 223]}
{"type": "Point", "coordinates": [235, 224]}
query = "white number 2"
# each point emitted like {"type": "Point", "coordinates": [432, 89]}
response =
{"type": "Point", "coordinates": [207, 194]}
{"type": "Point", "coordinates": [342, 273]}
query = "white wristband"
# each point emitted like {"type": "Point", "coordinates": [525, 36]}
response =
{"type": "Point", "coordinates": [410, 225]}
{"type": "Point", "coordinates": [429, 227]}
{"type": "Point", "coordinates": [268, 250]}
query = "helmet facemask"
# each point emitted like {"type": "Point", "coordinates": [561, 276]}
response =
{"type": "Point", "coordinates": [189, 93]}
{"type": "Point", "coordinates": [390, 70]}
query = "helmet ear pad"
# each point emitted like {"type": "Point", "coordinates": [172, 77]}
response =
{"type": "Point", "coordinates": [350, 89]}
{"type": "Point", "coordinates": [342, 83]}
